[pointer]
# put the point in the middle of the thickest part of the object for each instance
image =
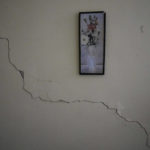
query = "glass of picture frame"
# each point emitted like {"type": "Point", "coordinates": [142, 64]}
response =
{"type": "Point", "coordinates": [92, 43]}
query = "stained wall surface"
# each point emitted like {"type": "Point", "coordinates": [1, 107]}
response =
{"type": "Point", "coordinates": [53, 107]}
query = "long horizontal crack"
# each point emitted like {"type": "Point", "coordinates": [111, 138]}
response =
{"type": "Point", "coordinates": [115, 110]}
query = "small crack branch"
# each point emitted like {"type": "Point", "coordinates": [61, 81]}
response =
{"type": "Point", "coordinates": [115, 110]}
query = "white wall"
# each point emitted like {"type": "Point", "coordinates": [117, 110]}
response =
{"type": "Point", "coordinates": [43, 38]}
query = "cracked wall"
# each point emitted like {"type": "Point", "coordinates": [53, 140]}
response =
{"type": "Point", "coordinates": [43, 49]}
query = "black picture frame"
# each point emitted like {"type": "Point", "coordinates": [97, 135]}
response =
{"type": "Point", "coordinates": [92, 28]}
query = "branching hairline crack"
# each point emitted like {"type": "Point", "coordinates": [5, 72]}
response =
{"type": "Point", "coordinates": [115, 110]}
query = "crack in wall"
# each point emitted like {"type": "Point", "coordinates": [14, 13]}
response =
{"type": "Point", "coordinates": [112, 109]}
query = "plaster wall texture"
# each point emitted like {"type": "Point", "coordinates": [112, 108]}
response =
{"type": "Point", "coordinates": [43, 42]}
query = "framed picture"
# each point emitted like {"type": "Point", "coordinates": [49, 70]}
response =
{"type": "Point", "coordinates": [92, 43]}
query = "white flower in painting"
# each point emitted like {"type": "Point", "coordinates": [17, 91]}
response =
{"type": "Point", "coordinates": [84, 40]}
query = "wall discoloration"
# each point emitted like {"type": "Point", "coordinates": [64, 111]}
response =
{"type": "Point", "coordinates": [142, 28]}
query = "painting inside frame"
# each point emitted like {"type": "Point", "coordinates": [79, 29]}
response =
{"type": "Point", "coordinates": [91, 43]}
